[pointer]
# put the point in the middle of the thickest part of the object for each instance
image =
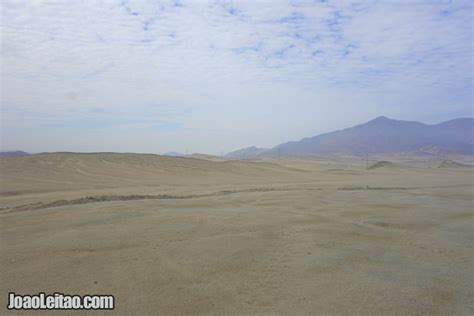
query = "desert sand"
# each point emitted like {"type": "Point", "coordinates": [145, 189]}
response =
{"type": "Point", "coordinates": [174, 236]}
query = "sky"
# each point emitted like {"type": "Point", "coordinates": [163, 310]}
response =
{"type": "Point", "coordinates": [216, 76]}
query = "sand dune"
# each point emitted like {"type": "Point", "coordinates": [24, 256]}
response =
{"type": "Point", "coordinates": [68, 171]}
{"type": "Point", "coordinates": [452, 164]}
{"type": "Point", "coordinates": [382, 164]}
{"type": "Point", "coordinates": [172, 235]}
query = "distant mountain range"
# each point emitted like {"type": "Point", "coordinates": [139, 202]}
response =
{"type": "Point", "coordinates": [381, 135]}
{"type": "Point", "coordinates": [17, 153]}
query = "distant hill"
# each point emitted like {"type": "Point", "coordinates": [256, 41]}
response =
{"type": "Point", "coordinates": [17, 153]}
{"type": "Point", "coordinates": [384, 135]}
{"type": "Point", "coordinates": [173, 154]}
{"type": "Point", "coordinates": [246, 153]}
{"type": "Point", "coordinates": [205, 157]}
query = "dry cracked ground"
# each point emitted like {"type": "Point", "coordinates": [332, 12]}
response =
{"type": "Point", "coordinates": [176, 236]}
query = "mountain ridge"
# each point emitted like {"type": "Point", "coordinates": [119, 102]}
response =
{"type": "Point", "coordinates": [380, 135]}
{"type": "Point", "coordinates": [17, 153]}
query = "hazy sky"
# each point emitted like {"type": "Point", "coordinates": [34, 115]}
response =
{"type": "Point", "coordinates": [158, 76]}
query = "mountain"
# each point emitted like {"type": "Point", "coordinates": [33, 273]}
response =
{"type": "Point", "coordinates": [17, 153]}
{"type": "Point", "coordinates": [384, 135]}
{"type": "Point", "coordinates": [246, 153]}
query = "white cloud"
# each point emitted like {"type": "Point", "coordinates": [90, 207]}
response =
{"type": "Point", "coordinates": [225, 74]}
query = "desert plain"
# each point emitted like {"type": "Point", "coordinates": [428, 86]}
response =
{"type": "Point", "coordinates": [173, 236]}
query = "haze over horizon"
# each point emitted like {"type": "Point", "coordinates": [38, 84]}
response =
{"type": "Point", "coordinates": [212, 77]}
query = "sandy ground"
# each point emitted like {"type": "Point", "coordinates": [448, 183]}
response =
{"type": "Point", "coordinates": [188, 236]}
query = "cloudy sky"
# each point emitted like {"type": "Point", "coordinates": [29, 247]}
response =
{"type": "Point", "coordinates": [205, 76]}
